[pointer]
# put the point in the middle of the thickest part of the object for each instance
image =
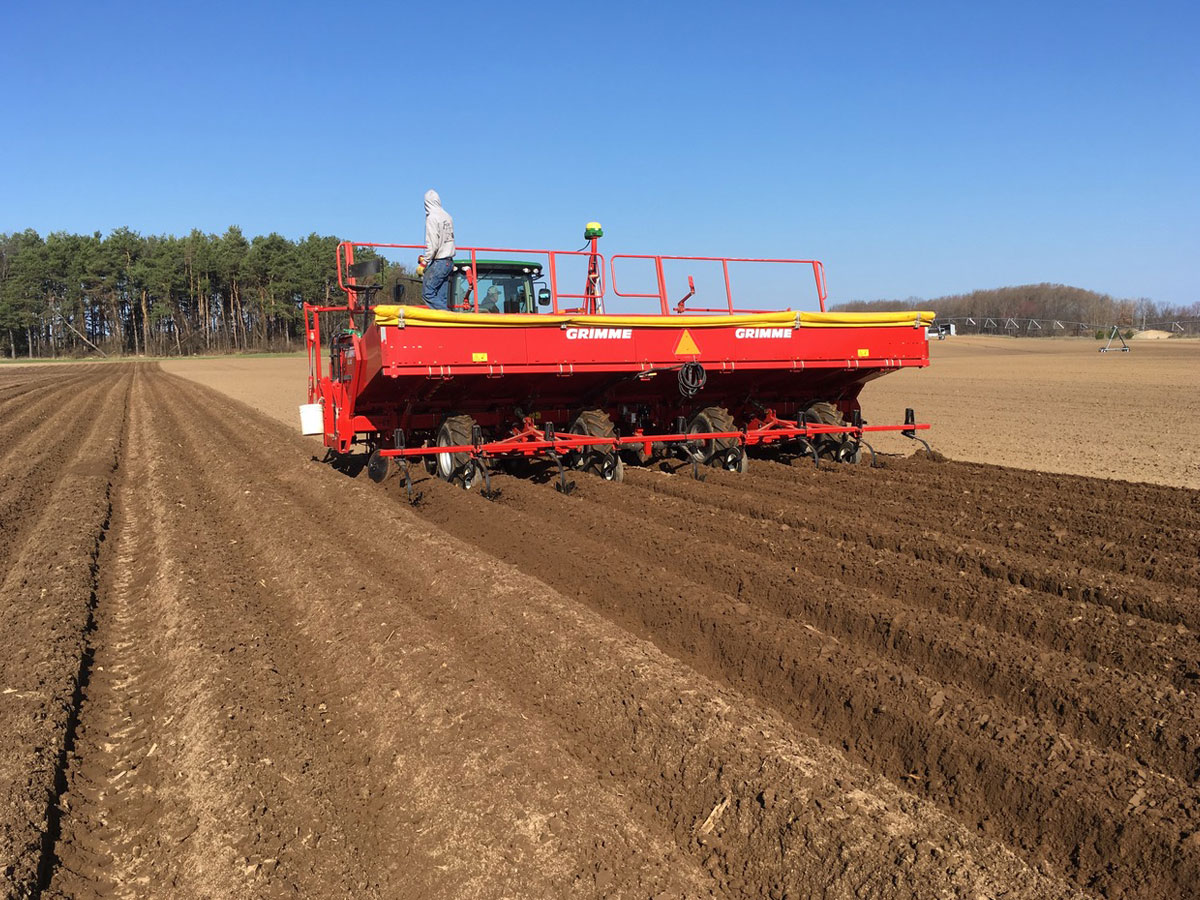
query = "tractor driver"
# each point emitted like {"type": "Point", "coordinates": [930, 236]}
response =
{"type": "Point", "coordinates": [491, 300]}
{"type": "Point", "coordinates": [437, 263]}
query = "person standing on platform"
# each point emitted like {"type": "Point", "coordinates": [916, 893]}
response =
{"type": "Point", "coordinates": [437, 263]}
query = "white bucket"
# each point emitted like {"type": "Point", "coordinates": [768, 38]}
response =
{"type": "Point", "coordinates": [312, 419]}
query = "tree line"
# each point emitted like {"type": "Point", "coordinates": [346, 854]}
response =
{"type": "Point", "coordinates": [1048, 302]}
{"type": "Point", "coordinates": [127, 293]}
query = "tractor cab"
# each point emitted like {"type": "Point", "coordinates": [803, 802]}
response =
{"type": "Point", "coordinates": [497, 286]}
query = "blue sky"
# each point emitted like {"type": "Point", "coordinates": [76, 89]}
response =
{"type": "Point", "coordinates": [918, 149]}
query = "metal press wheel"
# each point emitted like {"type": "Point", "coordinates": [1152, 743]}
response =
{"type": "Point", "coordinates": [839, 447]}
{"type": "Point", "coordinates": [605, 463]}
{"type": "Point", "coordinates": [457, 468]}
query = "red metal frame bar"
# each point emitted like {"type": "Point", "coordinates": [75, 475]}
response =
{"type": "Point", "coordinates": [530, 440]}
{"type": "Point", "coordinates": [314, 348]}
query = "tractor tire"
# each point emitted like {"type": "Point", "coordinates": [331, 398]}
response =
{"type": "Point", "coordinates": [839, 447]}
{"type": "Point", "coordinates": [457, 468]}
{"type": "Point", "coordinates": [604, 463]}
{"type": "Point", "coordinates": [716, 451]}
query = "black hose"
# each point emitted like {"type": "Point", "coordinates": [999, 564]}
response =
{"type": "Point", "coordinates": [692, 379]}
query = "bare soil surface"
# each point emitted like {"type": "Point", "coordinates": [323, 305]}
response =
{"type": "Point", "coordinates": [229, 670]}
{"type": "Point", "coordinates": [276, 386]}
{"type": "Point", "coordinates": [1055, 405]}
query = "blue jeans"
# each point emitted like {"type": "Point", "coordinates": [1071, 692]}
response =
{"type": "Point", "coordinates": [435, 289]}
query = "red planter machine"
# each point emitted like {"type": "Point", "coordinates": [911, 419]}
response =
{"type": "Point", "coordinates": [469, 389]}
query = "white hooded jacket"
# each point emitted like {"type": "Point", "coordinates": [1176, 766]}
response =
{"type": "Point", "coordinates": [439, 229]}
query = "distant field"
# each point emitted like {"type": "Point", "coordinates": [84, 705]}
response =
{"type": "Point", "coordinates": [272, 386]}
{"type": "Point", "coordinates": [1056, 406]}
{"type": "Point", "coordinates": [93, 360]}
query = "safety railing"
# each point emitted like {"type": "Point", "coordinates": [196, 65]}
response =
{"type": "Point", "coordinates": [818, 270]}
{"type": "Point", "coordinates": [594, 282]}
{"type": "Point", "coordinates": [591, 299]}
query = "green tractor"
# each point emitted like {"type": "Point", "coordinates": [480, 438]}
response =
{"type": "Point", "coordinates": [501, 286]}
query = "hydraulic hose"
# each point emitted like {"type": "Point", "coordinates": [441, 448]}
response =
{"type": "Point", "coordinates": [692, 379]}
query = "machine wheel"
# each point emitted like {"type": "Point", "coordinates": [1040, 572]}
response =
{"type": "Point", "coordinates": [457, 468]}
{"type": "Point", "coordinates": [605, 463]}
{"type": "Point", "coordinates": [832, 446]}
{"type": "Point", "coordinates": [377, 466]}
{"type": "Point", "coordinates": [716, 451]}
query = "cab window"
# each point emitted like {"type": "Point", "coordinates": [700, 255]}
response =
{"type": "Point", "coordinates": [496, 292]}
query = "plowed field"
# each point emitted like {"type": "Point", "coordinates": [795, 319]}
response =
{"type": "Point", "coordinates": [227, 669]}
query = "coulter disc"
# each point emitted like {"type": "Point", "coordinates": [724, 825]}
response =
{"type": "Point", "coordinates": [377, 467]}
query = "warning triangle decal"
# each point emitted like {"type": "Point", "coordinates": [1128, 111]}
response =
{"type": "Point", "coordinates": [686, 346]}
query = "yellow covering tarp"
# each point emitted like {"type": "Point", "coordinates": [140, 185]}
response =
{"type": "Point", "coordinates": [423, 316]}
{"type": "Point", "coordinates": [871, 319]}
